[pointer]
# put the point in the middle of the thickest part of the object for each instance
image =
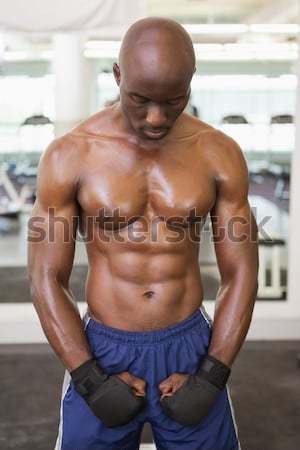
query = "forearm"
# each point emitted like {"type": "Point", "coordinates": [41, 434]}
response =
{"type": "Point", "coordinates": [61, 321]}
{"type": "Point", "coordinates": [233, 314]}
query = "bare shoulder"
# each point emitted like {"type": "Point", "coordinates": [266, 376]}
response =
{"type": "Point", "coordinates": [62, 155]}
{"type": "Point", "coordinates": [223, 154]}
{"type": "Point", "coordinates": [65, 159]}
{"type": "Point", "coordinates": [59, 171]}
{"type": "Point", "coordinates": [215, 148]}
{"type": "Point", "coordinates": [224, 161]}
{"type": "Point", "coordinates": [225, 145]}
{"type": "Point", "coordinates": [73, 145]}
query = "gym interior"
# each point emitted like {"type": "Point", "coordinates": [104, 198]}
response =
{"type": "Point", "coordinates": [55, 71]}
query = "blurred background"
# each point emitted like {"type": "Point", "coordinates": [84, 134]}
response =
{"type": "Point", "coordinates": [56, 70]}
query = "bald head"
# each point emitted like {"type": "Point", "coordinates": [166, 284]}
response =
{"type": "Point", "coordinates": [158, 47]}
{"type": "Point", "coordinates": [156, 65]}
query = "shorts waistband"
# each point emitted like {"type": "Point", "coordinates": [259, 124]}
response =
{"type": "Point", "coordinates": [197, 319]}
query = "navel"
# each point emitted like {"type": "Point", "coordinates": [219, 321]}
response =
{"type": "Point", "coordinates": [148, 294]}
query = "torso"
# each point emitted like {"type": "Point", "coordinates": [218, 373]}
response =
{"type": "Point", "coordinates": [137, 207]}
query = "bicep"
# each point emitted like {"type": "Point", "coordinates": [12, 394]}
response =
{"type": "Point", "coordinates": [53, 222]}
{"type": "Point", "coordinates": [233, 223]}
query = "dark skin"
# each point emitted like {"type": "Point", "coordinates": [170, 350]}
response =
{"type": "Point", "coordinates": [148, 161]}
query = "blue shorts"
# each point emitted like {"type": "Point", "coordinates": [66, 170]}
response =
{"type": "Point", "coordinates": [153, 356]}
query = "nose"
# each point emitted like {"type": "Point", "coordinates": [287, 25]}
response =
{"type": "Point", "coordinates": [156, 117]}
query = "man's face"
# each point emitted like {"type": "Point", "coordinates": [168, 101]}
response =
{"type": "Point", "coordinates": [151, 106]}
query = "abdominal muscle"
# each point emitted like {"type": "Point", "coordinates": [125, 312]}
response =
{"type": "Point", "coordinates": [135, 291]}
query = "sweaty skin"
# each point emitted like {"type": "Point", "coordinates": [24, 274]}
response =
{"type": "Point", "coordinates": [137, 180]}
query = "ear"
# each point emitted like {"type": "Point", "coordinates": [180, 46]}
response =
{"type": "Point", "coordinates": [117, 73]}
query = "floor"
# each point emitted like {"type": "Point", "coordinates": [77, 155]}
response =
{"type": "Point", "coordinates": [265, 389]}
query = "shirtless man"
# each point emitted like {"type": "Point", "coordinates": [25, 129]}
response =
{"type": "Point", "coordinates": [136, 179]}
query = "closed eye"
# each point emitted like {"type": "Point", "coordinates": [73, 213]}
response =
{"type": "Point", "coordinates": [175, 101]}
{"type": "Point", "coordinates": [139, 99]}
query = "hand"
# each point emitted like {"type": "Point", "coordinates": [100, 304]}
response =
{"type": "Point", "coordinates": [138, 385]}
{"type": "Point", "coordinates": [111, 398]}
{"type": "Point", "coordinates": [187, 399]}
{"type": "Point", "coordinates": [170, 385]}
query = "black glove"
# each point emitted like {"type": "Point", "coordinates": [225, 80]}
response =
{"type": "Point", "coordinates": [109, 397]}
{"type": "Point", "coordinates": [194, 399]}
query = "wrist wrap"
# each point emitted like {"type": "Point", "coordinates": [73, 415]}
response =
{"type": "Point", "coordinates": [214, 371]}
{"type": "Point", "coordinates": [88, 377]}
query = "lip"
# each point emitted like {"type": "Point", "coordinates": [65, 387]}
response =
{"type": "Point", "coordinates": [155, 134]}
